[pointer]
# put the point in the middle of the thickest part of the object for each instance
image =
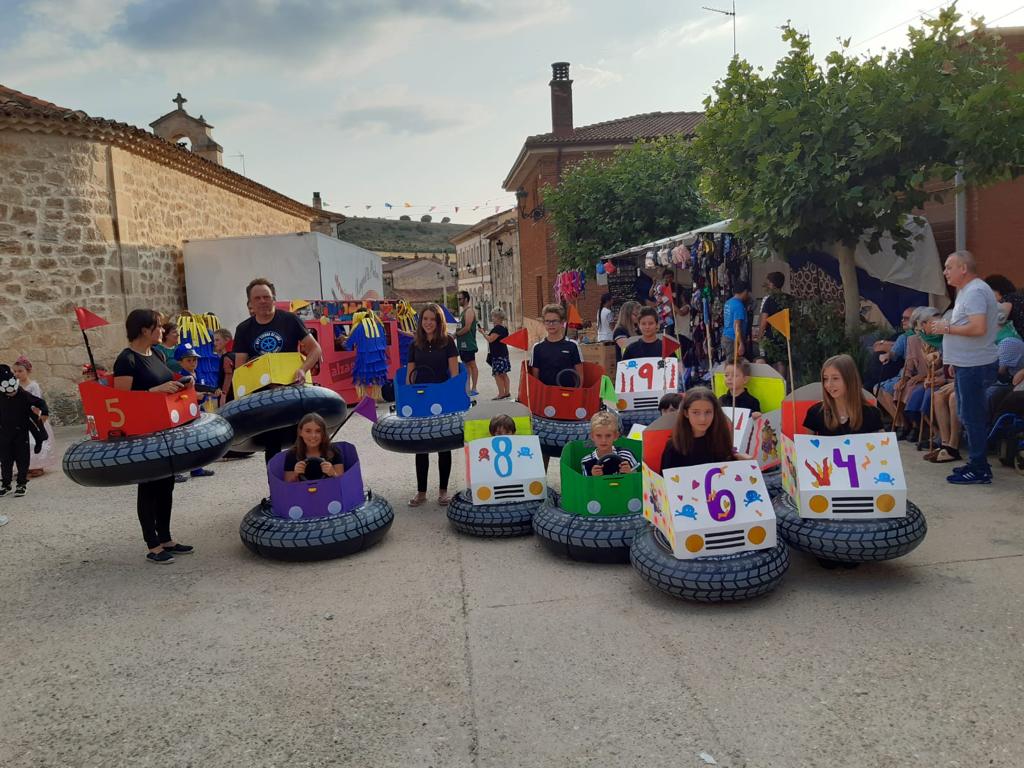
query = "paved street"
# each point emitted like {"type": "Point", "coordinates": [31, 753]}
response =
{"type": "Point", "coordinates": [449, 651]}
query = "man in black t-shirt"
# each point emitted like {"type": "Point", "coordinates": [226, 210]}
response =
{"type": "Point", "coordinates": [273, 330]}
{"type": "Point", "coordinates": [549, 359]}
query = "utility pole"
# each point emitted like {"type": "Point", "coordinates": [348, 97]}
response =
{"type": "Point", "coordinates": [727, 13]}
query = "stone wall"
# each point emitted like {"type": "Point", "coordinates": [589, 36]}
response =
{"type": "Point", "coordinates": [85, 223]}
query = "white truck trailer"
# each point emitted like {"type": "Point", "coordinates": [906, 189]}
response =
{"type": "Point", "coordinates": [302, 265]}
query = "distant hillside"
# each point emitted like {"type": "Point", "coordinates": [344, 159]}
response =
{"type": "Point", "coordinates": [392, 235]}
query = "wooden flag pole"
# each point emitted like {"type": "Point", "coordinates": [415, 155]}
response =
{"type": "Point", "coordinates": [735, 362]}
{"type": "Point", "coordinates": [792, 386]}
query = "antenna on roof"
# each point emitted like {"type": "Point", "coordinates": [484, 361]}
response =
{"type": "Point", "coordinates": [727, 13]}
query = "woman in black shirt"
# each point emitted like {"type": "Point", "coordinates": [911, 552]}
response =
{"type": "Point", "coordinates": [433, 359]}
{"type": "Point", "coordinates": [141, 369]}
{"type": "Point", "coordinates": [842, 410]}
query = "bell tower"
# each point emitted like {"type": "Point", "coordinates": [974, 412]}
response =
{"type": "Point", "coordinates": [179, 124]}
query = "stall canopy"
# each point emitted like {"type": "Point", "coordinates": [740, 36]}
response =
{"type": "Point", "coordinates": [920, 270]}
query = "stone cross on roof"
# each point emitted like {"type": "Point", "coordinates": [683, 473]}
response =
{"type": "Point", "coordinates": [179, 100]}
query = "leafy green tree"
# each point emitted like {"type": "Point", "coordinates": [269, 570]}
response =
{"type": "Point", "coordinates": [643, 192]}
{"type": "Point", "coordinates": [819, 156]}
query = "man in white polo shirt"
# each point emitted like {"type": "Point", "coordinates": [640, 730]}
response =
{"type": "Point", "coordinates": [968, 344]}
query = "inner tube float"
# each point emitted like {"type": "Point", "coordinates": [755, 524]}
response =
{"type": "Point", "coordinates": [318, 538]}
{"type": "Point", "coordinates": [495, 520]}
{"type": "Point", "coordinates": [426, 418]}
{"type": "Point", "coordinates": [843, 541]}
{"type": "Point", "coordinates": [642, 416]}
{"type": "Point", "coordinates": [278, 408]}
{"type": "Point", "coordinates": [138, 459]}
{"type": "Point", "coordinates": [319, 519]}
{"type": "Point", "coordinates": [710, 579]}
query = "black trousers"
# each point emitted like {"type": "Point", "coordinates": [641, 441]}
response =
{"type": "Point", "coordinates": [154, 507]}
{"type": "Point", "coordinates": [14, 449]}
{"type": "Point", "coordinates": [444, 469]}
{"type": "Point", "coordinates": [275, 440]}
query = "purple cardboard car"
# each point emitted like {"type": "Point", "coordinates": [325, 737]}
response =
{"type": "Point", "coordinates": [316, 520]}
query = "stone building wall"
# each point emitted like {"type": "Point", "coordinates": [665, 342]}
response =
{"type": "Point", "coordinates": [86, 223]}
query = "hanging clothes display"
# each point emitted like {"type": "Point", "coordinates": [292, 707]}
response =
{"type": "Point", "coordinates": [369, 342]}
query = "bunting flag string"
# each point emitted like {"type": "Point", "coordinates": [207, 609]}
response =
{"type": "Point", "coordinates": [497, 204]}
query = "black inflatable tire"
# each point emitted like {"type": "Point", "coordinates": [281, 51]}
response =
{"type": "Point", "coordinates": [554, 435]}
{"type": "Point", "coordinates": [773, 480]}
{"type": "Point", "coordinates": [278, 408]}
{"type": "Point", "coordinates": [320, 538]}
{"type": "Point", "coordinates": [411, 434]}
{"type": "Point", "coordinates": [631, 416]}
{"type": "Point", "coordinates": [495, 520]}
{"type": "Point", "coordinates": [714, 579]}
{"type": "Point", "coordinates": [850, 541]}
{"type": "Point", "coordinates": [105, 463]}
{"type": "Point", "coordinates": [587, 539]}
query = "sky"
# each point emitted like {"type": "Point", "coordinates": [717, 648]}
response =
{"type": "Point", "coordinates": [425, 102]}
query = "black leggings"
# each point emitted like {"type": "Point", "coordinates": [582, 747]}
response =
{"type": "Point", "coordinates": [444, 468]}
{"type": "Point", "coordinates": [14, 449]}
{"type": "Point", "coordinates": [154, 506]}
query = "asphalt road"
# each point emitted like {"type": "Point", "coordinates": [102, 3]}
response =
{"type": "Point", "coordinates": [448, 651]}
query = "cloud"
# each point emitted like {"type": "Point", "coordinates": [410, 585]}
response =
{"type": "Point", "coordinates": [277, 28]}
{"type": "Point", "coordinates": [594, 77]}
{"type": "Point", "coordinates": [397, 119]}
{"type": "Point", "coordinates": [711, 27]}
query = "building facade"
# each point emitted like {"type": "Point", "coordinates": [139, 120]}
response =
{"type": "Point", "coordinates": [503, 246]}
{"type": "Point", "coordinates": [93, 213]}
{"type": "Point", "coordinates": [473, 263]}
{"type": "Point", "coordinates": [545, 158]}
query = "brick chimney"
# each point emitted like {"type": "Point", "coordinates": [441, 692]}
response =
{"type": "Point", "coordinates": [318, 203]}
{"type": "Point", "coordinates": [561, 99]}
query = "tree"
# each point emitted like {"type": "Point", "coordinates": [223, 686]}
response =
{"type": "Point", "coordinates": [644, 192]}
{"type": "Point", "coordinates": [426, 218]}
{"type": "Point", "coordinates": [403, 217]}
{"type": "Point", "coordinates": [446, 220]}
{"type": "Point", "coordinates": [820, 156]}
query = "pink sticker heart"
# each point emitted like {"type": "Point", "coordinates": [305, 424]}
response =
{"type": "Point", "coordinates": [695, 485]}
{"type": "Point", "coordinates": [738, 478]}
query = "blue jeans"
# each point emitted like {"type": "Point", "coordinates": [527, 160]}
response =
{"type": "Point", "coordinates": [971, 383]}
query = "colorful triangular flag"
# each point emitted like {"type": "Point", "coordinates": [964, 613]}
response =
{"type": "Point", "coordinates": [297, 304]}
{"type": "Point", "coordinates": [780, 322]}
{"type": "Point", "coordinates": [87, 319]}
{"type": "Point", "coordinates": [367, 408]}
{"type": "Point", "coordinates": [519, 339]}
{"type": "Point", "coordinates": [668, 346]}
{"type": "Point", "coordinates": [388, 205]}
{"type": "Point", "coordinates": [408, 205]}
{"type": "Point", "coordinates": [608, 391]}
{"type": "Point", "coordinates": [573, 317]}
{"type": "Point", "coordinates": [448, 316]}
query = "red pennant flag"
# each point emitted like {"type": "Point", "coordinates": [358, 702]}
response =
{"type": "Point", "coordinates": [520, 339]}
{"type": "Point", "coordinates": [668, 346]}
{"type": "Point", "coordinates": [87, 319]}
{"type": "Point", "coordinates": [367, 408]}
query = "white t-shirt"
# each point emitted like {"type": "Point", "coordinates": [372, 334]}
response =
{"type": "Point", "coordinates": [975, 298]}
{"type": "Point", "coordinates": [604, 324]}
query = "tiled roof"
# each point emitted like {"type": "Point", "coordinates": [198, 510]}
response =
{"type": "Point", "coordinates": [21, 112]}
{"type": "Point", "coordinates": [647, 126]}
{"type": "Point", "coordinates": [12, 99]}
{"type": "Point", "coordinates": [624, 130]}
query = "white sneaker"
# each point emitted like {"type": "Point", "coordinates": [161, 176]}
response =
{"type": "Point", "coordinates": [4, 519]}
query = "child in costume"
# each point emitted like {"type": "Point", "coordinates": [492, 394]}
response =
{"type": "Point", "coordinates": [606, 458]}
{"type": "Point", "coordinates": [369, 342]}
{"type": "Point", "coordinates": [19, 420]}
{"type": "Point", "coordinates": [43, 459]}
{"type": "Point", "coordinates": [187, 358]}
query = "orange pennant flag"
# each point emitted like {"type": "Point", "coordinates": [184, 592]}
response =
{"type": "Point", "coordinates": [519, 339]}
{"type": "Point", "coordinates": [780, 322]}
{"type": "Point", "coordinates": [573, 317]}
